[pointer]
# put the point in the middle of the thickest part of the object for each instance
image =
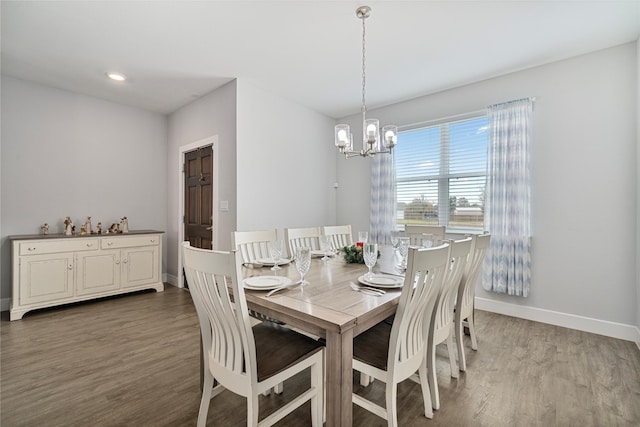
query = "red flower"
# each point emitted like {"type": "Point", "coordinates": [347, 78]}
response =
{"type": "Point", "coordinates": [359, 244]}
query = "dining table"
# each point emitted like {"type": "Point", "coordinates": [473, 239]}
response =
{"type": "Point", "coordinates": [329, 308]}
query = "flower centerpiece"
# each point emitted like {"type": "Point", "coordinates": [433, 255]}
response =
{"type": "Point", "coordinates": [354, 254]}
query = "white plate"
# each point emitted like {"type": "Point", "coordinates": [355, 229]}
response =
{"type": "Point", "coordinates": [265, 283]}
{"type": "Point", "coordinates": [318, 254]}
{"type": "Point", "coordinates": [382, 281]}
{"type": "Point", "coordinates": [268, 262]}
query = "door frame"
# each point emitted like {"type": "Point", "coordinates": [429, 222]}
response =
{"type": "Point", "coordinates": [213, 141]}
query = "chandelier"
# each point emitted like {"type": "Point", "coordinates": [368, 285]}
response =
{"type": "Point", "coordinates": [372, 143]}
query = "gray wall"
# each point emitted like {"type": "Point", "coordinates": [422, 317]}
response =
{"type": "Point", "coordinates": [286, 163]}
{"type": "Point", "coordinates": [583, 170]}
{"type": "Point", "coordinates": [213, 114]}
{"type": "Point", "coordinates": [69, 154]}
{"type": "Point", "coordinates": [107, 160]}
{"type": "Point", "coordinates": [265, 142]}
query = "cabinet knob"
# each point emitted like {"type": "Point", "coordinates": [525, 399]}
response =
{"type": "Point", "coordinates": [153, 240]}
{"type": "Point", "coordinates": [124, 260]}
{"type": "Point", "coordinates": [89, 245]}
{"type": "Point", "coordinates": [109, 243]}
{"type": "Point", "coordinates": [70, 266]}
{"type": "Point", "coordinates": [31, 249]}
{"type": "Point", "coordinates": [117, 261]}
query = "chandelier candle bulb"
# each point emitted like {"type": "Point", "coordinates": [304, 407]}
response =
{"type": "Point", "coordinates": [390, 136]}
{"type": "Point", "coordinates": [371, 131]}
{"type": "Point", "coordinates": [343, 137]}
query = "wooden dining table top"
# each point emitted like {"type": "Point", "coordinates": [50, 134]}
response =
{"type": "Point", "coordinates": [329, 308]}
{"type": "Point", "coordinates": [328, 300]}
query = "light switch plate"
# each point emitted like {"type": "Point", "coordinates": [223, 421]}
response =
{"type": "Point", "coordinates": [224, 206]}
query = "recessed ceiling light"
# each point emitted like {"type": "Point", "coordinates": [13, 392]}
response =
{"type": "Point", "coordinates": [117, 77]}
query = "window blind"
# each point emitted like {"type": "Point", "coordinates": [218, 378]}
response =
{"type": "Point", "coordinates": [441, 173]}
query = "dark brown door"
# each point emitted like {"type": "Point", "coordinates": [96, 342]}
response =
{"type": "Point", "coordinates": [198, 197]}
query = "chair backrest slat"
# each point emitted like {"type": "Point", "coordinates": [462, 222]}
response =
{"type": "Point", "coordinates": [478, 251]}
{"type": "Point", "coordinates": [415, 232]}
{"type": "Point", "coordinates": [459, 254]}
{"type": "Point", "coordinates": [228, 341]}
{"type": "Point", "coordinates": [426, 270]}
{"type": "Point", "coordinates": [340, 235]}
{"type": "Point", "coordinates": [253, 245]}
{"type": "Point", "coordinates": [302, 237]}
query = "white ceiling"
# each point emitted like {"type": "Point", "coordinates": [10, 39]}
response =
{"type": "Point", "coordinates": [307, 51]}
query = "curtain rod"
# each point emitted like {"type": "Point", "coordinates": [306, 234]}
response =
{"type": "Point", "coordinates": [458, 116]}
{"type": "Point", "coordinates": [443, 119]}
{"type": "Point", "coordinates": [530, 98]}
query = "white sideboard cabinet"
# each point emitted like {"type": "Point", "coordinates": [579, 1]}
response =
{"type": "Point", "coordinates": [56, 269]}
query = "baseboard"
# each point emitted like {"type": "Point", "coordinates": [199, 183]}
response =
{"type": "Point", "coordinates": [171, 279]}
{"type": "Point", "coordinates": [580, 323]}
{"type": "Point", "coordinates": [4, 304]}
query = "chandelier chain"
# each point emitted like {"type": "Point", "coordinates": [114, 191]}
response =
{"type": "Point", "coordinates": [364, 73]}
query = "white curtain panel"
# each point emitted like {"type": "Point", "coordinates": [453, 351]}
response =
{"type": "Point", "coordinates": [507, 265]}
{"type": "Point", "coordinates": [383, 198]}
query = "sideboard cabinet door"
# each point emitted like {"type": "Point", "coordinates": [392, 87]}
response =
{"type": "Point", "coordinates": [46, 278]}
{"type": "Point", "coordinates": [140, 266]}
{"type": "Point", "coordinates": [98, 272]}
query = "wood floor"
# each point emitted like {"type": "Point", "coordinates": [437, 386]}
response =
{"type": "Point", "coordinates": [134, 361]}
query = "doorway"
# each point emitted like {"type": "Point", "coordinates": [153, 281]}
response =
{"type": "Point", "coordinates": [198, 197]}
{"type": "Point", "coordinates": [210, 175]}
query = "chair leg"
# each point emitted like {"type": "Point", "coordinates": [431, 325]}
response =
{"type": "Point", "coordinates": [317, 402]}
{"type": "Point", "coordinates": [472, 332]}
{"type": "Point", "coordinates": [279, 388]}
{"type": "Point", "coordinates": [431, 372]}
{"type": "Point", "coordinates": [207, 392]}
{"type": "Point", "coordinates": [452, 356]}
{"type": "Point", "coordinates": [392, 407]}
{"type": "Point", "coordinates": [365, 380]}
{"type": "Point", "coordinates": [252, 410]}
{"type": "Point", "coordinates": [459, 343]}
{"type": "Point", "coordinates": [426, 393]}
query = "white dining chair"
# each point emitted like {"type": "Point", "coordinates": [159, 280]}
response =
{"type": "Point", "coordinates": [441, 326]}
{"type": "Point", "coordinates": [415, 232]}
{"type": "Point", "coordinates": [253, 245]}
{"type": "Point", "coordinates": [340, 235]}
{"type": "Point", "coordinates": [466, 296]}
{"type": "Point", "coordinates": [243, 359]}
{"type": "Point", "coordinates": [393, 351]}
{"type": "Point", "coordinates": [302, 237]}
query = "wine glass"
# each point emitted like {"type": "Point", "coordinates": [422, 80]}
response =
{"type": "Point", "coordinates": [403, 248]}
{"type": "Point", "coordinates": [275, 248]}
{"type": "Point", "coordinates": [370, 257]}
{"type": "Point", "coordinates": [363, 236]}
{"type": "Point", "coordinates": [303, 262]}
{"type": "Point", "coordinates": [325, 246]}
{"type": "Point", "coordinates": [427, 240]}
{"type": "Point", "coordinates": [394, 239]}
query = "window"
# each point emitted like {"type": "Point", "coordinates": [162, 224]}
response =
{"type": "Point", "coordinates": [441, 173]}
